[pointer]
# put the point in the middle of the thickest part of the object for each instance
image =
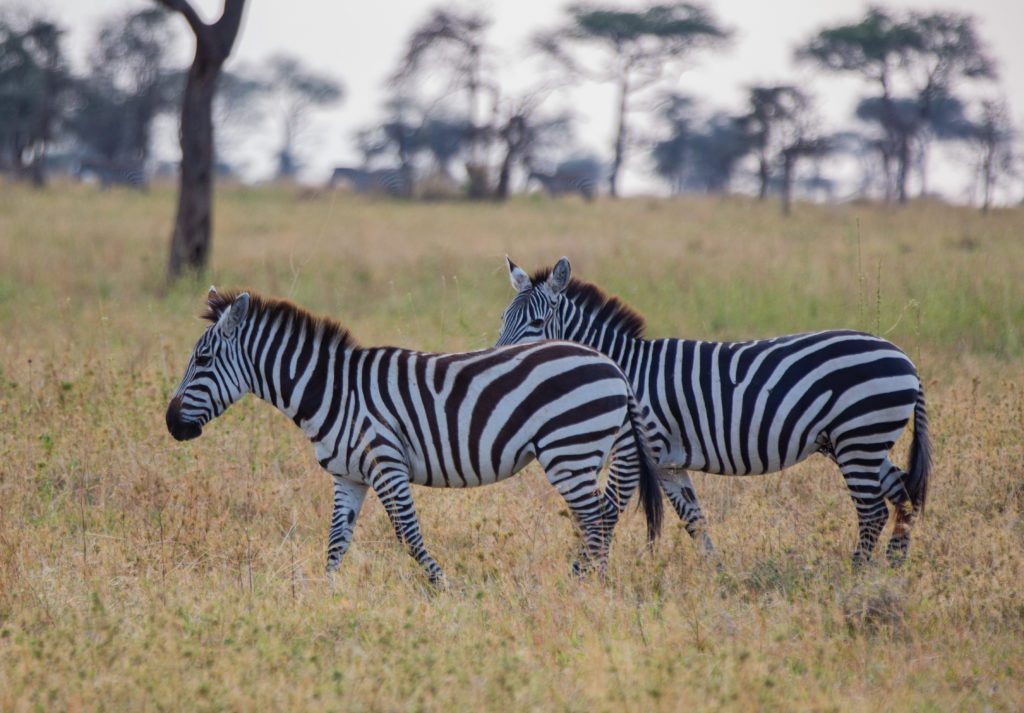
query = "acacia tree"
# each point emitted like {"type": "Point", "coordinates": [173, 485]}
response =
{"type": "Point", "coordinates": [296, 89]}
{"type": "Point", "coordinates": [525, 132]}
{"type": "Point", "coordinates": [639, 47]}
{"type": "Point", "coordinates": [672, 155]}
{"type": "Point", "coordinates": [34, 80]}
{"type": "Point", "coordinates": [915, 58]}
{"type": "Point", "coordinates": [453, 40]}
{"type": "Point", "coordinates": [130, 67]}
{"type": "Point", "coordinates": [992, 136]}
{"type": "Point", "coordinates": [190, 241]}
{"type": "Point", "coordinates": [780, 129]}
{"type": "Point", "coordinates": [698, 154]}
{"type": "Point", "coordinates": [774, 115]}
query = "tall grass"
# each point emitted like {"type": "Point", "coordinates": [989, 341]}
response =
{"type": "Point", "coordinates": [137, 573]}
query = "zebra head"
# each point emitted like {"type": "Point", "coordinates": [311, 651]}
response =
{"type": "Point", "coordinates": [214, 378]}
{"type": "Point", "coordinates": [533, 313]}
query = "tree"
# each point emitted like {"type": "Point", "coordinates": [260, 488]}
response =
{"type": "Point", "coordinates": [698, 154]}
{"type": "Point", "coordinates": [992, 136]}
{"type": "Point", "coordinates": [774, 117]}
{"type": "Point", "coordinates": [443, 137]}
{"type": "Point", "coordinates": [639, 47]}
{"type": "Point", "coordinates": [916, 57]}
{"type": "Point", "coordinates": [238, 108]}
{"type": "Point", "coordinates": [780, 128]}
{"type": "Point", "coordinates": [455, 41]}
{"type": "Point", "coordinates": [524, 133]}
{"type": "Point", "coordinates": [190, 241]}
{"type": "Point", "coordinates": [131, 65]}
{"type": "Point", "coordinates": [296, 89]}
{"type": "Point", "coordinates": [34, 80]}
{"type": "Point", "coordinates": [672, 155]}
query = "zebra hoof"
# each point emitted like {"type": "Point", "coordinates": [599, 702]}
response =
{"type": "Point", "coordinates": [439, 581]}
{"type": "Point", "coordinates": [859, 560]}
{"type": "Point", "coordinates": [896, 553]}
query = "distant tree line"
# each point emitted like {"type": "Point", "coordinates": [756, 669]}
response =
{"type": "Point", "coordinates": [450, 127]}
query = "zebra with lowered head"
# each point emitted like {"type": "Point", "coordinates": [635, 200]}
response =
{"type": "Point", "coordinates": [385, 418]}
{"type": "Point", "coordinates": [744, 408]}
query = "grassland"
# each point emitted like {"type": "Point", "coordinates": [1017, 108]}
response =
{"type": "Point", "coordinates": [137, 573]}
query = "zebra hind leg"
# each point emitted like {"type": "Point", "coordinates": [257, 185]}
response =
{"type": "Point", "coordinates": [861, 469]}
{"type": "Point", "coordinates": [899, 542]}
{"type": "Point", "coordinates": [396, 496]}
{"type": "Point", "coordinates": [679, 489]}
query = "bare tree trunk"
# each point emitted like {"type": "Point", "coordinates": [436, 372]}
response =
{"type": "Point", "coordinates": [762, 177]}
{"type": "Point", "coordinates": [620, 139]}
{"type": "Point", "coordinates": [787, 183]}
{"type": "Point", "coordinates": [504, 175]}
{"type": "Point", "coordinates": [987, 178]}
{"type": "Point", "coordinates": [190, 242]}
{"type": "Point", "coordinates": [903, 169]}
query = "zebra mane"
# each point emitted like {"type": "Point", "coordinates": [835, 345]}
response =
{"type": "Point", "coordinates": [271, 307]}
{"type": "Point", "coordinates": [609, 309]}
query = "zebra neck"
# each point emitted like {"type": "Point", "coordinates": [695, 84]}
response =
{"type": "Point", "coordinates": [614, 342]}
{"type": "Point", "coordinates": [299, 368]}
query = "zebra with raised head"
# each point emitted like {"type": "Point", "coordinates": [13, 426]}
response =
{"type": "Point", "coordinates": [743, 408]}
{"type": "Point", "coordinates": [384, 418]}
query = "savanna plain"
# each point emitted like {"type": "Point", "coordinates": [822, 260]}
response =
{"type": "Point", "coordinates": [138, 573]}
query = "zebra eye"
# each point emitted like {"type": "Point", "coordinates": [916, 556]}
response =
{"type": "Point", "coordinates": [203, 360]}
{"type": "Point", "coordinates": [537, 323]}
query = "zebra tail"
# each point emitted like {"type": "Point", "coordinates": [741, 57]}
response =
{"type": "Point", "coordinates": [920, 456]}
{"type": "Point", "coordinates": [650, 489]}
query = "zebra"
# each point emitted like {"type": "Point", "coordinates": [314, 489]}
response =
{"type": "Point", "coordinates": [384, 417]}
{"type": "Point", "coordinates": [744, 408]}
{"type": "Point", "coordinates": [386, 181]}
{"type": "Point", "coordinates": [577, 176]}
{"type": "Point", "coordinates": [114, 173]}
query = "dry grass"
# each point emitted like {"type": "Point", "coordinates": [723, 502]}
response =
{"type": "Point", "coordinates": [137, 573]}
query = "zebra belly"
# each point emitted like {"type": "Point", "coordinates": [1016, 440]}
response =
{"type": "Point", "coordinates": [446, 478]}
{"type": "Point", "coordinates": [444, 468]}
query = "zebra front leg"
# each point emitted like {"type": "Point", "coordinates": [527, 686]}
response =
{"type": "Point", "coordinates": [395, 494]}
{"type": "Point", "coordinates": [348, 499]}
{"type": "Point", "coordinates": [679, 488]}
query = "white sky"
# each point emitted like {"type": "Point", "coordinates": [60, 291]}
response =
{"type": "Point", "coordinates": [361, 42]}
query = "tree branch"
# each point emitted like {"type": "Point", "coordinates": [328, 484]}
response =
{"type": "Point", "coordinates": [188, 12]}
{"type": "Point", "coordinates": [228, 24]}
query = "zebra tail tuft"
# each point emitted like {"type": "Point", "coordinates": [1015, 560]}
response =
{"type": "Point", "coordinates": [650, 489]}
{"type": "Point", "coordinates": [920, 456]}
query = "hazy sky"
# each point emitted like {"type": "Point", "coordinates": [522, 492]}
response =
{"type": "Point", "coordinates": [360, 42]}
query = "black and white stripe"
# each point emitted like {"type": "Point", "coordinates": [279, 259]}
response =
{"type": "Point", "coordinates": [393, 182]}
{"type": "Point", "coordinates": [741, 408]}
{"type": "Point", "coordinates": [384, 418]}
{"type": "Point", "coordinates": [561, 183]}
{"type": "Point", "coordinates": [114, 173]}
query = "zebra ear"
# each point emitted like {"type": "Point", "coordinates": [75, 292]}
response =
{"type": "Point", "coordinates": [233, 315]}
{"type": "Point", "coordinates": [211, 296]}
{"type": "Point", "coordinates": [520, 280]}
{"type": "Point", "coordinates": [560, 274]}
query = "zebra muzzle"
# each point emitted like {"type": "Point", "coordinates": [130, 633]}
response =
{"type": "Point", "coordinates": [181, 429]}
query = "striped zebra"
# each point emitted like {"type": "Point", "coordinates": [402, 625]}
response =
{"type": "Point", "coordinates": [744, 408]}
{"type": "Point", "coordinates": [392, 182]}
{"type": "Point", "coordinates": [384, 418]}
{"type": "Point", "coordinates": [114, 173]}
